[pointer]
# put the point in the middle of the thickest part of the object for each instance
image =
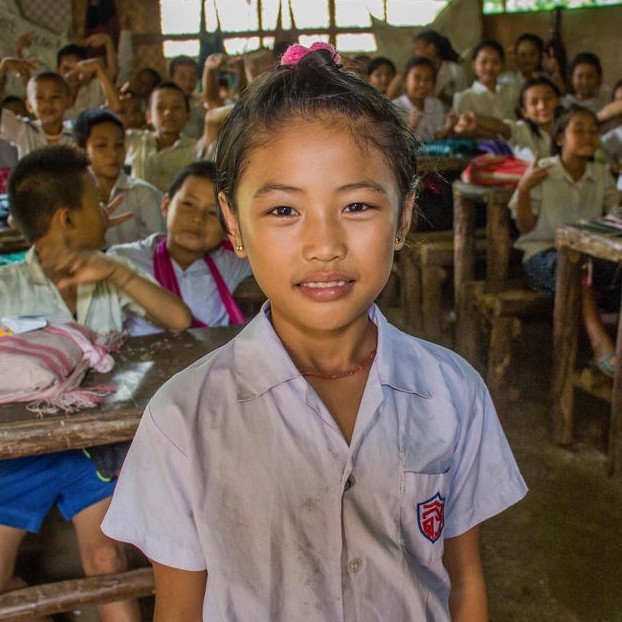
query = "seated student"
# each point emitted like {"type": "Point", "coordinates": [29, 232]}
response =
{"type": "Point", "coordinates": [184, 72]}
{"type": "Point", "coordinates": [53, 202]}
{"type": "Point", "coordinates": [142, 85]}
{"type": "Point", "coordinates": [47, 99]}
{"type": "Point", "coordinates": [611, 141]}
{"type": "Point", "coordinates": [425, 113]}
{"type": "Point", "coordinates": [450, 75]}
{"type": "Point", "coordinates": [89, 84]}
{"type": "Point", "coordinates": [191, 259]}
{"type": "Point", "coordinates": [486, 96]}
{"type": "Point", "coordinates": [586, 76]}
{"type": "Point", "coordinates": [556, 192]}
{"type": "Point", "coordinates": [157, 156]}
{"type": "Point", "coordinates": [131, 114]}
{"type": "Point", "coordinates": [380, 73]}
{"type": "Point", "coordinates": [100, 134]}
{"type": "Point", "coordinates": [528, 137]}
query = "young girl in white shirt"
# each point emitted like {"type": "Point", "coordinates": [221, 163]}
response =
{"type": "Point", "coordinates": [486, 96]}
{"type": "Point", "coordinates": [322, 465]}
{"type": "Point", "coordinates": [559, 191]}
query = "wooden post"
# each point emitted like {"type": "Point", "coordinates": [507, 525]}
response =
{"type": "Point", "coordinates": [566, 321]}
{"type": "Point", "coordinates": [615, 428]}
{"type": "Point", "coordinates": [432, 279]}
{"type": "Point", "coordinates": [410, 287]}
{"type": "Point", "coordinates": [498, 240]}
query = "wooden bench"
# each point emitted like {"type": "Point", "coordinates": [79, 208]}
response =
{"type": "Point", "coordinates": [53, 598]}
{"type": "Point", "coordinates": [499, 315]}
{"type": "Point", "coordinates": [422, 267]}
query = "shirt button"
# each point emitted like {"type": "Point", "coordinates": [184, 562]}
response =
{"type": "Point", "coordinates": [355, 565]}
{"type": "Point", "coordinates": [350, 482]}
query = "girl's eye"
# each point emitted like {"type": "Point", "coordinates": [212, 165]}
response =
{"type": "Point", "coordinates": [357, 207]}
{"type": "Point", "coordinates": [283, 210]}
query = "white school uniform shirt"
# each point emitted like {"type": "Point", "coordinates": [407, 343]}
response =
{"type": "Point", "coordinates": [144, 201]}
{"type": "Point", "coordinates": [452, 78]}
{"type": "Point", "coordinates": [525, 144]}
{"type": "Point", "coordinates": [593, 103]}
{"type": "Point", "coordinates": [28, 134]}
{"type": "Point", "coordinates": [196, 284]}
{"type": "Point", "coordinates": [611, 143]}
{"type": "Point", "coordinates": [26, 290]}
{"type": "Point", "coordinates": [432, 117]}
{"type": "Point", "coordinates": [501, 104]}
{"type": "Point", "coordinates": [238, 468]}
{"type": "Point", "coordinates": [161, 167]}
{"type": "Point", "coordinates": [90, 95]}
{"type": "Point", "coordinates": [559, 201]}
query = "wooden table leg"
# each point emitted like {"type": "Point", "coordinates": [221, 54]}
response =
{"type": "Point", "coordinates": [498, 243]}
{"type": "Point", "coordinates": [615, 428]}
{"type": "Point", "coordinates": [464, 257]}
{"type": "Point", "coordinates": [566, 323]}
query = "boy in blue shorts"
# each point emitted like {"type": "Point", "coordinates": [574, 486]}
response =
{"type": "Point", "coordinates": [65, 278]}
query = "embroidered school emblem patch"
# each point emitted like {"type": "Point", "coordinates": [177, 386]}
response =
{"type": "Point", "coordinates": [431, 517]}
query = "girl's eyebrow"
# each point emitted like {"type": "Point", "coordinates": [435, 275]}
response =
{"type": "Point", "coordinates": [359, 185]}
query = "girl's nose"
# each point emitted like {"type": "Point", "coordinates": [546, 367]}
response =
{"type": "Point", "coordinates": [324, 240]}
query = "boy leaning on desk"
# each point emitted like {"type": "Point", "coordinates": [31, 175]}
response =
{"type": "Point", "coordinates": [65, 278]}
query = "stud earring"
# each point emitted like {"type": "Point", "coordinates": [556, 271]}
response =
{"type": "Point", "coordinates": [398, 239]}
{"type": "Point", "coordinates": [239, 248]}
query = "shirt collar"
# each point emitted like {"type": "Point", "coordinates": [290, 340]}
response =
{"type": "Point", "coordinates": [403, 369]}
{"type": "Point", "coordinates": [557, 171]}
{"type": "Point", "coordinates": [478, 87]}
{"type": "Point", "coordinates": [122, 183]}
{"type": "Point", "coordinates": [35, 271]}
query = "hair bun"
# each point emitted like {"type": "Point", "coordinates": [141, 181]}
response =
{"type": "Point", "coordinates": [295, 53]}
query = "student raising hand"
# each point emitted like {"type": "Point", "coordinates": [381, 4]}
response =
{"type": "Point", "coordinates": [533, 176]}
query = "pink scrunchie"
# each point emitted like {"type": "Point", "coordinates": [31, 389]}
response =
{"type": "Point", "coordinates": [295, 52]}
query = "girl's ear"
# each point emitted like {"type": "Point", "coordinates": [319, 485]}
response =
{"type": "Point", "coordinates": [166, 204]}
{"type": "Point", "coordinates": [233, 226]}
{"type": "Point", "coordinates": [404, 225]}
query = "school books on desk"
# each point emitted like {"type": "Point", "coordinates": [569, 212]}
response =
{"type": "Point", "coordinates": [609, 225]}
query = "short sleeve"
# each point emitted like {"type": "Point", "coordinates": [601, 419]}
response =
{"type": "Point", "coordinates": [151, 507]}
{"type": "Point", "coordinates": [535, 197]}
{"type": "Point", "coordinates": [486, 479]}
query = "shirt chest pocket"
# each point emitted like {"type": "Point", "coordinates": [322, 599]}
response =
{"type": "Point", "coordinates": [422, 512]}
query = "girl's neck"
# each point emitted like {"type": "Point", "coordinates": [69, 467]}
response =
{"type": "Point", "coordinates": [105, 186]}
{"type": "Point", "coordinates": [183, 257]}
{"type": "Point", "coordinates": [491, 85]}
{"type": "Point", "coordinates": [575, 165]}
{"type": "Point", "coordinates": [166, 140]}
{"type": "Point", "coordinates": [417, 103]}
{"type": "Point", "coordinates": [53, 130]}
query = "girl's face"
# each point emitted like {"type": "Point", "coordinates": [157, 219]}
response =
{"type": "Point", "coordinates": [192, 220]}
{"type": "Point", "coordinates": [381, 77]}
{"type": "Point", "coordinates": [581, 137]}
{"type": "Point", "coordinates": [585, 81]}
{"type": "Point", "coordinates": [419, 82]}
{"type": "Point", "coordinates": [539, 104]}
{"type": "Point", "coordinates": [421, 48]}
{"type": "Point", "coordinates": [105, 147]}
{"type": "Point", "coordinates": [487, 67]}
{"type": "Point", "coordinates": [527, 58]}
{"type": "Point", "coordinates": [318, 214]}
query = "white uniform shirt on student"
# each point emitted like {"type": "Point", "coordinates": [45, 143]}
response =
{"type": "Point", "coordinates": [238, 467]}
{"type": "Point", "coordinates": [500, 104]}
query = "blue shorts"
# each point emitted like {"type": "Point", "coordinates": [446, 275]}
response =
{"type": "Point", "coordinates": [30, 486]}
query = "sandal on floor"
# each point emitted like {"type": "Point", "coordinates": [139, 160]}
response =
{"type": "Point", "coordinates": [605, 365]}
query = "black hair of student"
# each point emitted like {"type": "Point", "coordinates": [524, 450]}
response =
{"type": "Point", "coordinates": [42, 182]}
{"type": "Point", "coordinates": [179, 61]}
{"type": "Point", "coordinates": [488, 44]}
{"type": "Point", "coordinates": [419, 61]}
{"type": "Point", "coordinates": [11, 99]}
{"type": "Point", "coordinates": [442, 44]}
{"type": "Point", "coordinates": [534, 39]}
{"type": "Point", "coordinates": [88, 119]}
{"type": "Point", "coordinates": [616, 86]}
{"type": "Point", "coordinates": [168, 85]}
{"type": "Point", "coordinates": [155, 76]}
{"type": "Point", "coordinates": [314, 88]}
{"type": "Point", "coordinates": [53, 76]}
{"type": "Point", "coordinates": [379, 61]}
{"type": "Point", "coordinates": [70, 50]}
{"type": "Point", "coordinates": [563, 116]}
{"type": "Point", "coordinates": [201, 168]}
{"type": "Point", "coordinates": [536, 81]}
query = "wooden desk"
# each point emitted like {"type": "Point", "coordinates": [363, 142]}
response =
{"type": "Point", "coordinates": [466, 199]}
{"type": "Point", "coordinates": [571, 244]}
{"type": "Point", "coordinates": [141, 367]}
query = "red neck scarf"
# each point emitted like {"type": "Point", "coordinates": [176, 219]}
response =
{"type": "Point", "coordinates": [165, 275]}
